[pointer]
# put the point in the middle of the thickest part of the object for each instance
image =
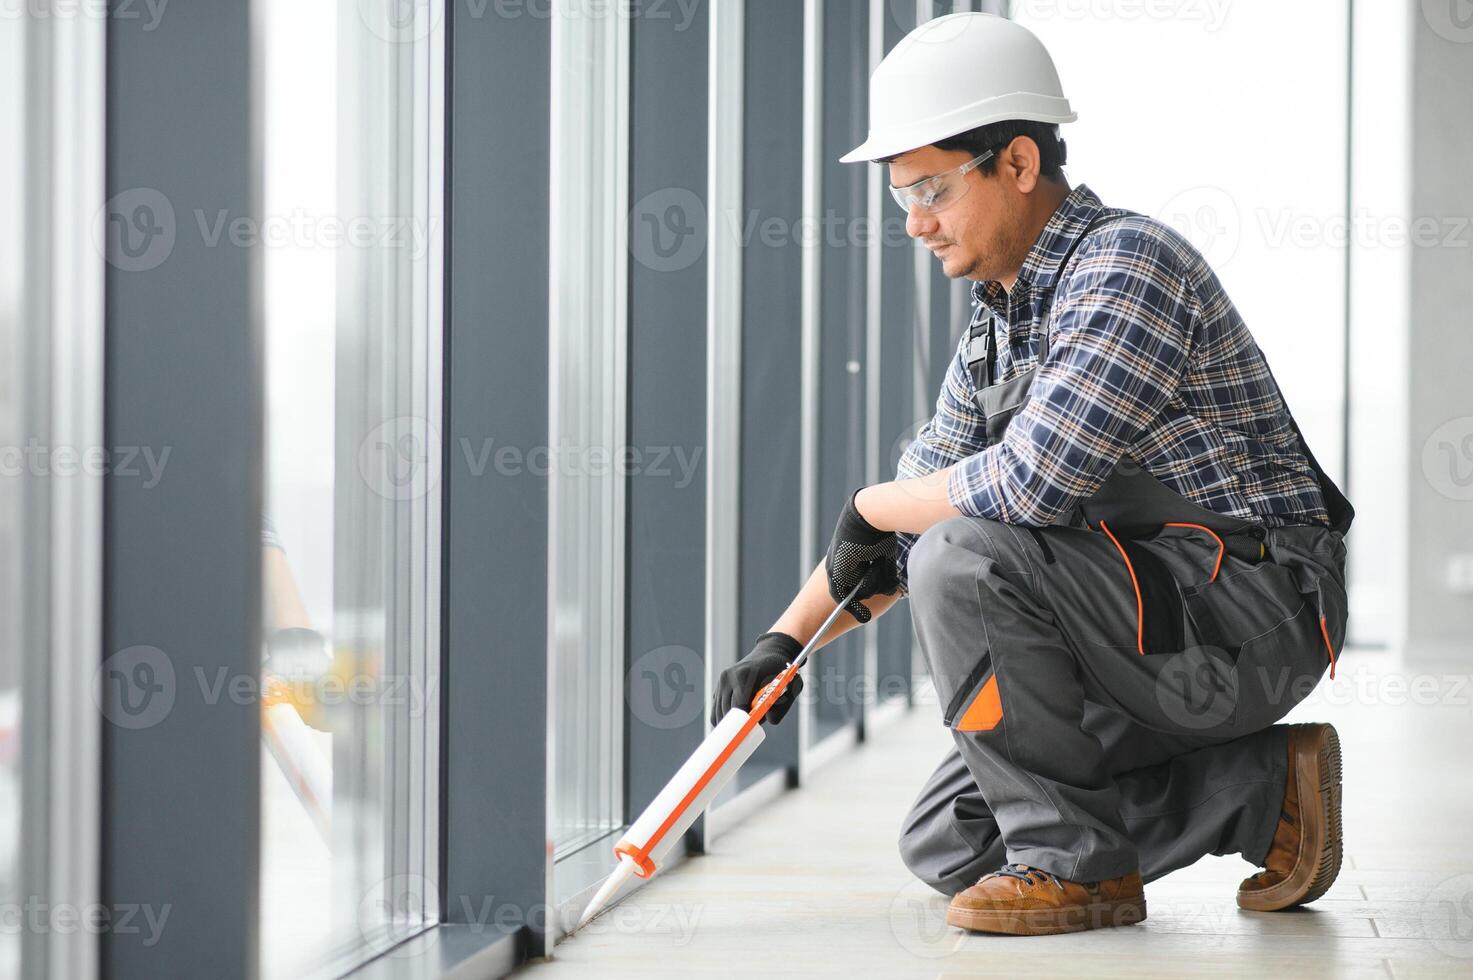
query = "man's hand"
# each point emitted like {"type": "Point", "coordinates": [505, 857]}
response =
{"type": "Point", "coordinates": [739, 683]}
{"type": "Point", "coordinates": [860, 553]}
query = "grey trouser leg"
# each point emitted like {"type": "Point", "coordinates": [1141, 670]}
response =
{"type": "Point", "coordinates": [1216, 799]}
{"type": "Point", "coordinates": [1096, 760]}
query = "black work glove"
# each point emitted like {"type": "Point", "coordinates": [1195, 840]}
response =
{"type": "Point", "coordinates": [860, 553]}
{"type": "Point", "coordinates": [739, 683]}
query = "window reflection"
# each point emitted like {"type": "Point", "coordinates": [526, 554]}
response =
{"type": "Point", "coordinates": [350, 537]}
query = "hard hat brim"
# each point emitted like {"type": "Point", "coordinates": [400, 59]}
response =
{"type": "Point", "coordinates": [1028, 106]}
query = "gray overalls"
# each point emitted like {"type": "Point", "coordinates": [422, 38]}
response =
{"type": "Point", "coordinates": [1112, 681]}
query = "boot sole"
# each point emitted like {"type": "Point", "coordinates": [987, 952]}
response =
{"type": "Point", "coordinates": [1048, 922]}
{"type": "Point", "coordinates": [1318, 864]}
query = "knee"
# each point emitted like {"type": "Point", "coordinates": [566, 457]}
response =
{"type": "Point", "coordinates": [922, 862]}
{"type": "Point", "coordinates": [971, 545]}
{"type": "Point", "coordinates": [934, 556]}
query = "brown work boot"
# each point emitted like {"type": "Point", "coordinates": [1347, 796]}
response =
{"type": "Point", "coordinates": [1026, 901]}
{"type": "Point", "coordinates": [1304, 858]}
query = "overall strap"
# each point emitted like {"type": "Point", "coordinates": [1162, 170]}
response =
{"type": "Point", "coordinates": [1337, 505]}
{"type": "Point", "coordinates": [982, 331]}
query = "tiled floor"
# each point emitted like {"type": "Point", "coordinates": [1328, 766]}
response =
{"type": "Point", "coordinates": [813, 885]}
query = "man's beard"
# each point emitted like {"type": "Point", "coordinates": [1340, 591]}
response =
{"type": "Point", "coordinates": [1004, 254]}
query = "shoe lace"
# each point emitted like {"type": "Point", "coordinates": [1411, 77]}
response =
{"type": "Point", "coordinates": [1025, 872]}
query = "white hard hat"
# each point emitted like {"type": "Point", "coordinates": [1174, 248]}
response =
{"type": "Point", "coordinates": [956, 73]}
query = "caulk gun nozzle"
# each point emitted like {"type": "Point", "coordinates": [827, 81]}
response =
{"type": "Point", "coordinates": [622, 873]}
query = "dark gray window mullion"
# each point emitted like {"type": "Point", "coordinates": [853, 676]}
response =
{"type": "Point", "coordinates": [182, 557]}
{"type": "Point", "coordinates": [772, 352]}
{"type": "Point", "coordinates": [495, 574]}
{"type": "Point", "coordinates": [841, 447]}
{"type": "Point", "coordinates": [897, 398]}
{"type": "Point", "coordinates": [665, 624]}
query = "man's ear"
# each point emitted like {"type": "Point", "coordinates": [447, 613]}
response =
{"type": "Point", "coordinates": [1021, 163]}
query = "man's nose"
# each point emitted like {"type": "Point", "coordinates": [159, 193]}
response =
{"type": "Point", "coordinates": [919, 223]}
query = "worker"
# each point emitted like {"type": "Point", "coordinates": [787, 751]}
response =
{"type": "Point", "coordinates": [1123, 562]}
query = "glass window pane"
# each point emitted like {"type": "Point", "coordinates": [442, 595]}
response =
{"type": "Point", "coordinates": [587, 428]}
{"type": "Point", "coordinates": [350, 225]}
{"type": "Point", "coordinates": [13, 425]}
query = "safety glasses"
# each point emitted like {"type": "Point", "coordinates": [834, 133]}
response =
{"type": "Point", "coordinates": [940, 191]}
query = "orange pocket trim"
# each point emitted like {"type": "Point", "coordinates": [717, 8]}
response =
{"type": "Point", "coordinates": [985, 711]}
{"type": "Point", "coordinates": [1326, 634]}
{"type": "Point", "coordinates": [1220, 546]}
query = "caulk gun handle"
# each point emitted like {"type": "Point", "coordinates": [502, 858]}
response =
{"type": "Point", "coordinates": [772, 684]}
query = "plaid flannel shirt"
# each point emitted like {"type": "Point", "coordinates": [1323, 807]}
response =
{"type": "Point", "coordinates": [1147, 355]}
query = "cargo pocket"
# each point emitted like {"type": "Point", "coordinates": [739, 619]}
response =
{"type": "Point", "coordinates": [977, 704]}
{"type": "Point", "coordinates": [1159, 598]}
{"type": "Point", "coordinates": [1316, 560]}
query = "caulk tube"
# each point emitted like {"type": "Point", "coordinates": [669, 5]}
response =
{"type": "Point", "coordinates": [665, 820]}
{"type": "Point", "coordinates": [705, 773]}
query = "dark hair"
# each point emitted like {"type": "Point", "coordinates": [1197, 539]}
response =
{"type": "Point", "coordinates": [1052, 153]}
